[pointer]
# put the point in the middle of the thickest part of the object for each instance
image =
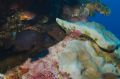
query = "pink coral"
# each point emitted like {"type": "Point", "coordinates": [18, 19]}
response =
{"type": "Point", "coordinates": [49, 66]}
{"type": "Point", "coordinates": [45, 68]}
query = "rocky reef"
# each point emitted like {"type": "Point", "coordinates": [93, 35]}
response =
{"type": "Point", "coordinates": [89, 51]}
{"type": "Point", "coordinates": [33, 46]}
{"type": "Point", "coordinates": [93, 30]}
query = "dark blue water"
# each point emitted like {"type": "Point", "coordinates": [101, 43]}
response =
{"type": "Point", "coordinates": [111, 22]}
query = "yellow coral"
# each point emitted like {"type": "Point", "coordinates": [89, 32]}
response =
{"type": "Point", "coordinates": [99, 7]}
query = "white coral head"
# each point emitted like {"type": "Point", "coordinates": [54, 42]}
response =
{"type": "Point", "coordinates": [1, 76]}
{"type": "Point", "coordinates": [67, 26]}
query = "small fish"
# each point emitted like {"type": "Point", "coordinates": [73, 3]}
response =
{"type": "Point", "coordinates": [26, 15]}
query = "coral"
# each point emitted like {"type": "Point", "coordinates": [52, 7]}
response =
{"type": "Point", "coordinates": [74, 57]}
{"type": "Point", "coordinates": [99, 7]}
{"type": "Point", "coordinates": [95, 31]}
{"type": "Point", "coordinates": [75, 13]}
{"type": "Point", "coordinates": [26, 44]}
{"type": "Point", "coordinates": [83, 11]}
{"type": "Point", "coordinates": [18, 20]}
{"type": "Point", "coordinates": [89, 51]}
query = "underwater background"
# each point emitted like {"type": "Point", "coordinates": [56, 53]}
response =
{"type": "Point", "coordinates": [111, 22]}
{"type": "Point", "coordinates": [56, 39]}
